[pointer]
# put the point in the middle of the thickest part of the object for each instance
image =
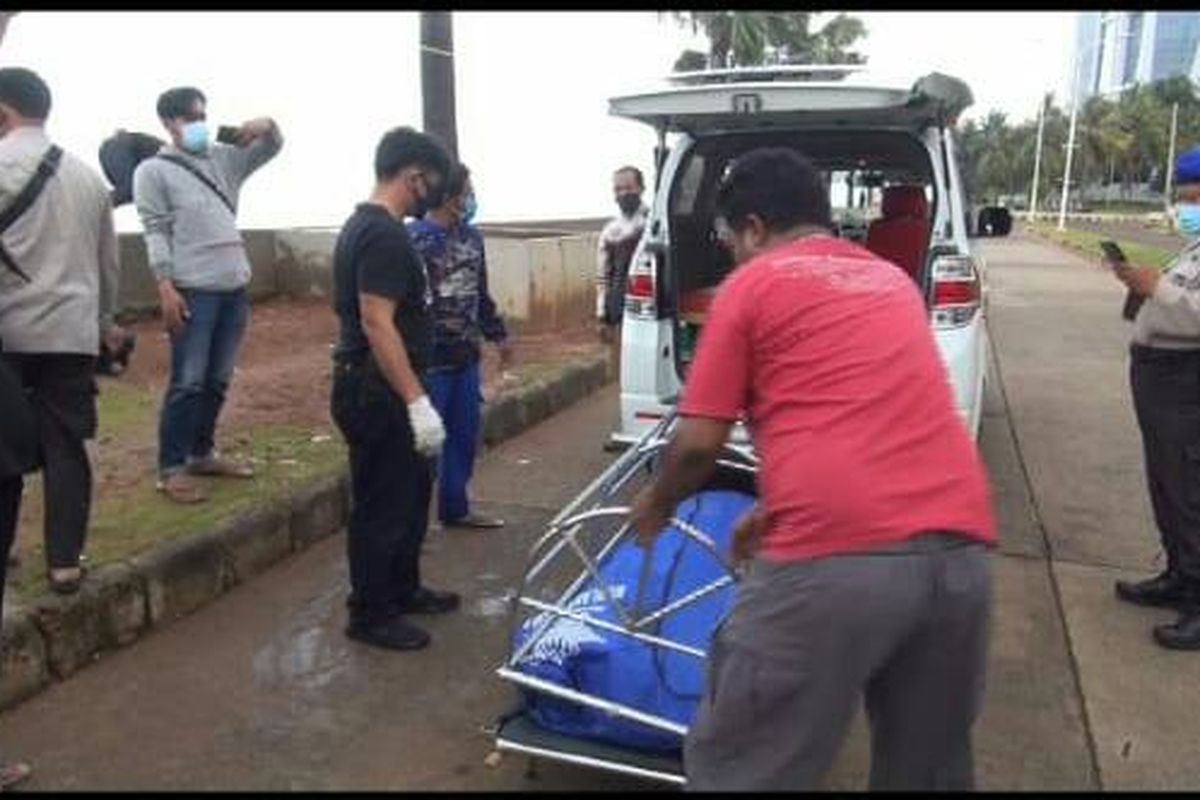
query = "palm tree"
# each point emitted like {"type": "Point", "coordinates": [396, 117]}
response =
{"type": "Point", "coordinates": [746, 38]}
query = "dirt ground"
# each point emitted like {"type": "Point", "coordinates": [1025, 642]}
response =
{"type": "Point", "coordinates": [283, 372]}
{"type": "Point", "coordinates": [283, 378]}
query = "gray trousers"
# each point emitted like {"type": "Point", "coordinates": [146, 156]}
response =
{"type": "Point", "coordinates": [906, 628]}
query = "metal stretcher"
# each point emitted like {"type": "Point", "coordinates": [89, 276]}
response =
{"type": "Point", "coordinates": [563, 560]}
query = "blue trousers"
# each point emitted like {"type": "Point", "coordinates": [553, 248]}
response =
{"type": "Point", "coordinates": [457, 397]}
{"type": "Point", "coordinates": [203, 356]}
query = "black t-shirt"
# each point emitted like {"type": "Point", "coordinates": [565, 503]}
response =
{"type": "Point", "coordinates": [374, 255]}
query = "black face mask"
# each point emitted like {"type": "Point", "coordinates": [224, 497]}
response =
{"type": "Point", "coordinates": [432, 200]}
{"type": "Point", "coordinates": [629, 203]}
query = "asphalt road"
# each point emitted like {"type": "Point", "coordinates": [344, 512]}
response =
{"type": "Point", "coordinates": [261, 690]}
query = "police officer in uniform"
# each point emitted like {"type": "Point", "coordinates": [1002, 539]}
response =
{"type": "Point", "coordinates": [1165, 380]}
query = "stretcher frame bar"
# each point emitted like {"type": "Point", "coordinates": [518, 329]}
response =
{"type": "Point", "coordinates": [588, 761]}
{"type": "Point", "coordinates": [600, 704]}
{"type": "Point", "coordinates": [591, 569]}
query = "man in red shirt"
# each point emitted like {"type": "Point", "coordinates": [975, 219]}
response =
{"type": "Point", "coordinates": [870, 573]}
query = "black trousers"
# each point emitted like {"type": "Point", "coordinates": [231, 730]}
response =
{"type": "Point", "coordinates": [63, 392]}
{"type": "Point", "coordinates": [1166, 397]}
{"type": "Point", "coordinates": [391, 486]}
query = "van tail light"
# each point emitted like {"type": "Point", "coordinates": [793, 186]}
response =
{"type": "Point", "coordinates": [956, 291]}
{"type": "Point", "coordinates": [641, 290]}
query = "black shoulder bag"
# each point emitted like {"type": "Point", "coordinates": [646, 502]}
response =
{"type": "Point", "coordinates": [19, 448]}
{"type": "Point", "coordinates": [176, 160]}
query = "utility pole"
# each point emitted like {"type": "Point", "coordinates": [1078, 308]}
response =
{"type": "Point", "coordinates": [1167, 187]}
{"type": "Point", "coordinates": [1037, 162]}
{"type": "Point", "coordinates": [437, 78]}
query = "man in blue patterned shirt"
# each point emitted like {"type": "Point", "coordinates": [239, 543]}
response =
{"type": "Point", "coordinates": [464, 315]}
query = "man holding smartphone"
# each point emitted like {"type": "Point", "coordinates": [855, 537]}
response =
{"type": "Point", "coordinates": [1165, 381]}
{"type": "Point", "coordinates": [187, 197]}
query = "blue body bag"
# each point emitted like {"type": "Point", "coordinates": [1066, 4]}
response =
{"type": "Point", "coordinates": [618, 668]}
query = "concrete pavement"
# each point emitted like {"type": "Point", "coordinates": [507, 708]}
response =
{"type": "Point", "coordinates": [1062, 352]}
{"type": "Point", "coordinates": [260, 689]}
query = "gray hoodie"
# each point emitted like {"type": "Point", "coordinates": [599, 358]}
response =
{"type": "Point", "coordinates": [192, 238]}
{"type": "Point", "coordinates": [1170, 318]}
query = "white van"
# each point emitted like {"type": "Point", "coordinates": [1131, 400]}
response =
{"type": "Point", "coordinates": [888, 155]}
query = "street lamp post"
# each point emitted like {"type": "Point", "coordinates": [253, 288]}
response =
{"type": "Point", "coordinates": [1105, 20]}
{"type": "Point", "coordinates": [1037, 162]}
{"type": "Point", "coordinates": [1066, 189]}
{"type": "Point", "coordinates": [1171, 160]}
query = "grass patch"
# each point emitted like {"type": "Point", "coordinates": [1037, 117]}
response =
{"type": "Point", "coordinates": [127, 523]}
{"type": "Point", "coordinates": [133, 517]}
{"type": "Point", "coordinates": [1088, 244]}
{"type": "Point", "coordinates": [123, 408]}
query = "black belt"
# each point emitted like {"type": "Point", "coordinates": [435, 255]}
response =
{"type": "Point", "coordinates": [1165, 353]}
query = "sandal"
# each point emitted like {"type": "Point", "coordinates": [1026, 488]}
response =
{"type": "Point", "coordinates": [12, 774]}
{"type": "Point", "coordinates": [181, 489]}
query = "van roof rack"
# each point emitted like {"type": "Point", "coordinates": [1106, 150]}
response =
{"type": "Point", "coordinates": [768, 72]}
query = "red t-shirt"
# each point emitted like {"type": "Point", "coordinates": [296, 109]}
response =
{"type": "Point", "coordinates": [827, 349]}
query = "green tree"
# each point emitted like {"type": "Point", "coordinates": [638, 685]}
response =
{"type": "Point", "coordinates": [747, 38]}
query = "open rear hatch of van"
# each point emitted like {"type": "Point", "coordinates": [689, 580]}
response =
{"type": "Point", "coordinates": [709, 107]}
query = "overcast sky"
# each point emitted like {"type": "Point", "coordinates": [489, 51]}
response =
{"type": "Point", "coordinates": [532, 89]}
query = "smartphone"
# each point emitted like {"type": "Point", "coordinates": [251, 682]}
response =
{"type": "Point", "coordinates": [228, 134]}
{"type": "Point", "coordinates": [1133, 302]}
{"type": "Point", "coordinates": [1114, 253]}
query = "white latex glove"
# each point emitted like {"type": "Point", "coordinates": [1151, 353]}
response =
{"type": "Point", "coordinates": [428, 432]}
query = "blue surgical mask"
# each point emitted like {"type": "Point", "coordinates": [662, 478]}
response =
{"type": "Point", "coordinates": [470, 208]}
{"type": "Point", "coordinates": [194, 137]}
{"type": "Point", "coordinates": [1187, 216]}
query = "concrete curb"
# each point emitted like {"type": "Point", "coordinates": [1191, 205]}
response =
{"type": "Point", "coordinates": [53, 637]}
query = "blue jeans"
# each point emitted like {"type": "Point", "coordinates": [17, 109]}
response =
{"type": "Point", "coordinates": [203, 355]}
{"type": "Point", "coordinates": [456, 396]}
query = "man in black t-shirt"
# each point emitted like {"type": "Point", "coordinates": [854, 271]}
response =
{"type": "Point", "coordinates": [379, 399]}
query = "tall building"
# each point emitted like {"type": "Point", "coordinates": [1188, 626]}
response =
{"type": "Point", "coordinates": [1117, 50]}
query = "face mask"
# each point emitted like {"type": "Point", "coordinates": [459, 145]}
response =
{"type": "Point", "coordinates": [629, 203]}
{"type": "Point", "coordinates": [469, 208]}
{"type": "Point", "coordinates": [194, 137]}
{"type": "Point", "coordinates": [1188, 218]}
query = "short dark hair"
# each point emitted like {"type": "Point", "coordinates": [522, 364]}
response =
{"type": "Point", "coordinates": [456, 180]}
{"type": "Point", "coordinates": [178, 102]}
{"type": "Point", "coordinates": [403, 147]}
{"type": "Point", "coordinates": [777, 184]}
{"type": "Point", "coordinates": [637, 174]}
{"type": "Point", "coordinates": [24, 90]}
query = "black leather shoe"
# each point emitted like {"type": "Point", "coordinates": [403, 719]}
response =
{"type": "Point", "coordinates": [1183, 634]}
{"type": "Point", "coordinates": [394, 634]}
{"type": "Point", "coordinates": [1162, 591]}
{"type": "Point", "coordinates": [427, 601]}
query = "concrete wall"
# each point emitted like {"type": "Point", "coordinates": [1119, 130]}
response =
{"type": "Point", "coordinates": [542, 279]}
